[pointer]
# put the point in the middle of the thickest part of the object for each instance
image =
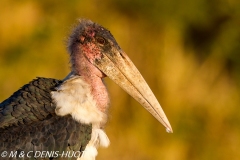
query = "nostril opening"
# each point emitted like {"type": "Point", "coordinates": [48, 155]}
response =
{"type": "Point", "coordinates": [122, 55]}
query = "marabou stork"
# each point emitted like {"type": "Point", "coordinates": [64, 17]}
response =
{"type": "Point", "coordinates": [57, 116]}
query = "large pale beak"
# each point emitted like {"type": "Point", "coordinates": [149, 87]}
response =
{"type": "Point", "coordinates": [118, 67]}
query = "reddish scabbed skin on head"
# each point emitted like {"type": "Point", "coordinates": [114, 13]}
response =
{"type": "Point", "coordinates": [91, 51]}
{"type": "Point", "coordinates": [86, 44]}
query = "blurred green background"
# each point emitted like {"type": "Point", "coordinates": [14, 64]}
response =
{"type": "Point", "coordinates": [188, 52]}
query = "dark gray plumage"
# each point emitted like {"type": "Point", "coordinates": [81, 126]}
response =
{"type": "Point", "coordinates": [28, 122]}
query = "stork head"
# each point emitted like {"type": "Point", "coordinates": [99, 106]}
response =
{"type": "Point", "coordinates": [95, 52]}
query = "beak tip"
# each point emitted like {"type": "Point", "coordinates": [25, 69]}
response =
{"type": "Point", "coordinates": [169, 130]}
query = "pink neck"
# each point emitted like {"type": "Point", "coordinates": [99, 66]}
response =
{"type": "Point", "coordinates": [94, 77]}
{"type": "Point", "coordinates": [99, 92]}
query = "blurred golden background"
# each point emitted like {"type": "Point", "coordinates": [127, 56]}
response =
{"type": "Point", "coordinates": [188, 51]}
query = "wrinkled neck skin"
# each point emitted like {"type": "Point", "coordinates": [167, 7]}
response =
{"type": "Point", "coordinates": [94, 77]}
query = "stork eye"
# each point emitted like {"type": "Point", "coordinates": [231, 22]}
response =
{"type": "Point", "coordinates": [101, 40]}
